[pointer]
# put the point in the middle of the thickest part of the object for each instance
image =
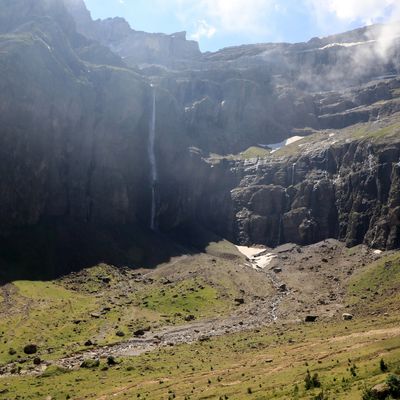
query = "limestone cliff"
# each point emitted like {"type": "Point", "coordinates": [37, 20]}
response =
{"type": "Point", "coordinates": [75, 179]}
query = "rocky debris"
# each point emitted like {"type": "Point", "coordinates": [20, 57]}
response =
{"type": "Point", "coordinates": [111, 361]}
{"type": "Point", "coordinates": [347, 317]}
{"type": "Point", "coordinates": [30, 349]}
{"type": "Point", "coordinates": [283, 288]}
{"type": "Point", "coordinates": [190, 317]}
{"type": "Point", "coordinates": [141, 332]}
{"type": "Point", "coordinates": [105, 279]}
{"type": "Point", "coordinates": [37, 361]}
{"type": "Point", "coordinates": [95, 315]}
{"type": "Point", "coordinates": [239, 301]}
{"type": "Point", "coordinates": [380, 391]}
{"type": "Point", "coordinates": [310, 318]}
{"type": "Point", "coordinates": [90, 364]}
{"type": "Point", "coordinates": [120, 334]}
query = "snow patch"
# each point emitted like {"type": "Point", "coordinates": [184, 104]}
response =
{"type": "Point", "coordinates": [276, 146]}
{"type": "Point", "coordinates": [348, 44]}
{"type": "Point", "coordinates": [258, 257]}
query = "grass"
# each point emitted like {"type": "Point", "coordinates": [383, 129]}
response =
{"type": "Point", "coordinates": [368, 132]}
{"type": "Point", "coordinates": [254, 152]}
{"type": "Point", "coordinates": [189, 297]}
{"type": "Point", "coordinates": [264, 361]}
{"type": "Point", "coordinates": [378, 286]}
{"type": "Point", "coordinates": [60, 316]}
{"type": "Point", "coordinates": [269, 363]}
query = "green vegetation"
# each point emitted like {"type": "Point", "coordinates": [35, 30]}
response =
{"type": "Point", "coordinates": [370, 131]}
{"type": "Point", "coordinates": [233, 364]}
{"type": "Point", "coordinates": [331, 359]}
{"type": "Point", "coordinates": [254, 152]}
{"type": "Point", "coordinates": [378, 285]}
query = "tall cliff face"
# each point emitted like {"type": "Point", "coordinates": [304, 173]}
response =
{"type": "Point", "coordinates": [75, 178]}
{"type": "Point", "coordinates": [73, 144]}
{"type": "Point", "coordinates": [341, 187]}
{"type": "Point", "coordinates": [135, 47]}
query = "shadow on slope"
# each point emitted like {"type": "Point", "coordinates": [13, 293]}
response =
{"type": "Point", "coordinates": [57, 247]}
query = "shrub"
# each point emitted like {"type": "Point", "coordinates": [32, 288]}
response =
{"type": "Point", "coordinates": [12, 352]}
{"type": "Point", "coordinates": [394, 383]}
{"type": "Point", "coordinates": [383, 365]}
{"type": "Point", "coordinates": [90, 364]}
{"type": "Point", "coordinates": [311, 382]}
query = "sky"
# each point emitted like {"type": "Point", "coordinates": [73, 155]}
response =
{"type": "Point", "coordinates": [221, 23]}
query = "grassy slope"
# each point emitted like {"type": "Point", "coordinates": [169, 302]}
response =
{"type": "Point", "coordinates": [270, 362]}
{"type": "Point", "coordinates": [228, 366]}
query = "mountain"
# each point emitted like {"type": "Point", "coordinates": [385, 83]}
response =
{"type": "Point", "coordinates": [76, 178]}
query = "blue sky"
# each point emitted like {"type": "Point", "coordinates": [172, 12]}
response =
{"type": "Point", "coordinates": [221, 23]}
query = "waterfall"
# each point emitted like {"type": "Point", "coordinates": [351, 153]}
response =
{"type": "Point", "coordinates": [293, 173]}
{"type": "Point", "coordinates": [153, 163]}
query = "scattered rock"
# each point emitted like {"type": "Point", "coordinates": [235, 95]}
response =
{"type": "Point", "coordinates": [190, 317]}
{"type": "Point", "coordinates": [381, 391]}
{"type": "Point", "coordinates": [283, 288]}
{"type": "Point", "coordinates": [90, 364]}
{"type": "Point", "coordinates": [88, 343]}
{"type": "Point", "coordinates": [95, 315]}
{"type": "Point", "coordinates": [310, 318]}
{"type": "Point", "coordinates": [37, 361]}
{"type": "Point", "coordinates": [277, 270]}
{"type": "Point", "coordinates": [347, 317]}
{"type": "Point", "coordinates": [111, 361]}
{"type": "Point", "coordinates": [239, 301]}
{"type": "Point", "coordinates": [30, 349]}
{"type": "Point", "coordinates": [120, 334]}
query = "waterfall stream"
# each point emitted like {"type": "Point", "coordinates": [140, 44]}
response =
{"type": "Point", "coordinates": [153, 163]}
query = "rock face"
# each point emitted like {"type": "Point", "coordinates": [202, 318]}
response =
{"type": "Point", "coordinates": [75, 107]}
{"type": "Point", "coordinates": [347, 191]}
{"type": "Point", "coordinates": [134, 47]}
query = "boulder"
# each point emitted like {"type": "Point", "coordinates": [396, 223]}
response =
{"type": "Point", "coordinates": [380, 391]}
{"type": "Point", "coordinates": [89, 364]}
{"type": "Point", "coordinates": [283, 288]}
{"type": "Point", "coordinates": [30, 349]}
{"type": "Point", "coordinates": [310, 318]}
{"type": "Point", "coordinates": [37, 361]}
{"type": "Point", "coordinates": [347, 317]}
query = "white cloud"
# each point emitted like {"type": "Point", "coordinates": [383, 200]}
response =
{"type": "Point", "coordinates": [243, 16]}
{"type": "Point", "coordinates": [364, 12]}
{"type": "Point", "coordinates": [204, 29]}
{"type": "Point", "coordinates": [248, 17]}
{"type": "Point", "coordinates": [347, 11]}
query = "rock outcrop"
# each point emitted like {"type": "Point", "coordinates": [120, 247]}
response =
{"type": "Point", "coordinates": [75, 107]}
